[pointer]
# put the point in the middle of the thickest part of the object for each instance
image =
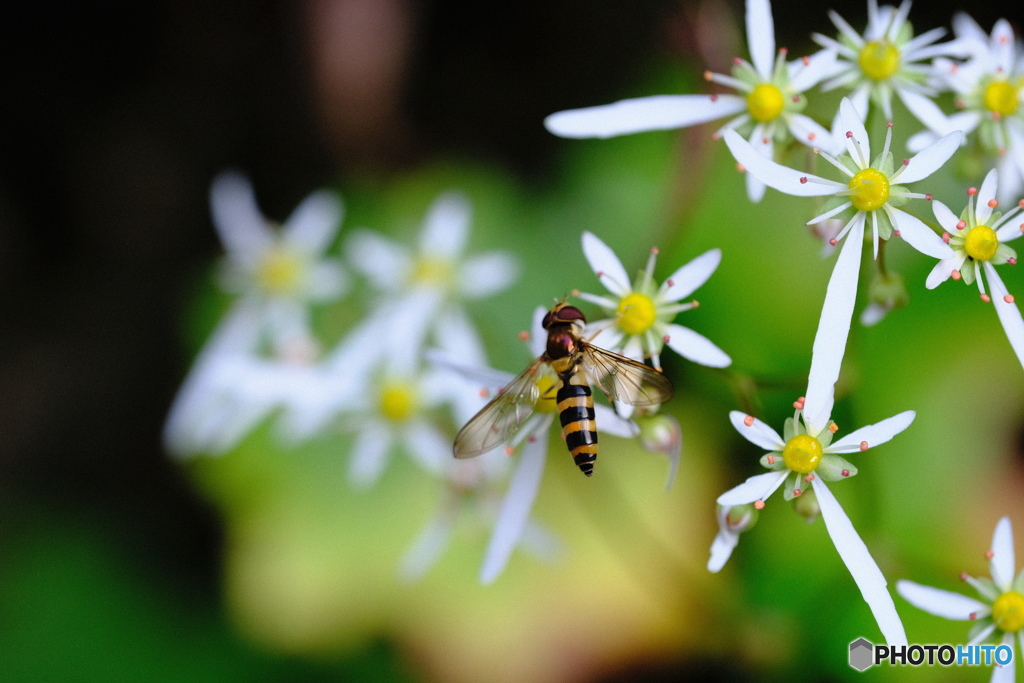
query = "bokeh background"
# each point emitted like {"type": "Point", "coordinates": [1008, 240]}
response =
{"type": "Point", "coordinates": [118, 563]}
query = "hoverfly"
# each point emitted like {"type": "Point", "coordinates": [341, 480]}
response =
{"type": "Point", "coordinates": [577, 364]}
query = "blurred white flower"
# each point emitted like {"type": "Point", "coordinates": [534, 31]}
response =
{"type": "Point", "coordinates": [285, 270]}
{"type": "Point", "coordinates": [231, 388]}
{"type": "Point", "coordinates": [1001, 607]}
{"type": "Point", "coordinates": [805, 454]}
{"type": "Point", "coordinates": [768, 104]}
{"type": "Point", "coordinates": [978, 238]}
{"type": "Point", "coordinates": [888, 58]}
{"type": "Point", "coordinates": [988, 88]}
{"type": "Point", "coordinates": [436, 276]}
{"type": "Point", "coordinates": [641, 314]}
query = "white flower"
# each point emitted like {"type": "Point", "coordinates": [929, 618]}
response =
{"type": "Point", "coordinates": [642, 313]}
{"type": "Point", "coordinates": [1002, 600]}
{"type": "Point", "coordinates": [283, 269]}
{"type": "Point", "coordinates": [437, 273]}
{"type": "Point", "coordinates": [873, 194]}
{"type": "Point", "coordinates": [231, 388]}
{"type": "Point", "coordinates": [886, 59]}
{"type": "Point", "coordinates": [530, 442]}
{"type": "Point", "coordinates": [768, 104]}
{"type": "Point", "coordinates": [978, 238]}
{"type": "Point", "coordinates": [989, 88]}
{"type": "Point", "coordinates": [805, 455]}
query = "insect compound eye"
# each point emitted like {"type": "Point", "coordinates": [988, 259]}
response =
{"type": "Point", "coordinates": [568, 314]}
{"type": "Point", "coordinates": [548, 319]}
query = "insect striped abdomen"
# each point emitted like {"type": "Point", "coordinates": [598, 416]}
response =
{"type": "Point", "coordinates": [576, 412]}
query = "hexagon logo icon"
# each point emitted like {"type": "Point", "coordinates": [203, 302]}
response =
{"type": "Point", "coordinates": [861, 654]}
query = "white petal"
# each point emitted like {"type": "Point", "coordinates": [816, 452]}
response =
{"type": "Point", "coordinates": [758, 433]}
{"type": "Point", "coordinates": [237, 334]}
{"type": "Point", "coordinates": [446, 226]}
{"type": "Point", "coordinates": [1005, 673]}
{"type": "Point", "coordinates": [820, 66]}
{"type": "Point", "coordinates": [610, 422]}
{"type": "Point", "coordinates": [485, 275]}
{"type": "Point", "coordinates": [314, 223]}
{"type": "Point", "coordinates": [761, 37]}
{"type": "Point", "coordinates": [426, 549]}
{"type": "Point", "coordinates": [236, 216]}
{"type": "Point", "coordinates": [660, 112]}
{"type": "Point", "coordinates": [833, 329]}
{"type": "Point", "coordinates": [721, 550]}
{"type": "Point", "coordinates": [775, 175]}
{"type": "Point", "coordinates": [986, 193]}
{"type": "Point", "coordinates": [940, 273]}
{"type": "Point", "coordinates": [930, 159]}
{"type": "Point", "coordinates": [918, 235]}
{"type": "Point", "coordinates": [1002, 563]}
{"type": "Point", "coordinates": [427, 446]}
{"type": "Point", "coordinates": [538, 336]}
{"type": "Point", "coordinates": [459, 339]}
{"type": "Point", "coordinates": [926, 111]}
{"type": "Point", "coordinates": [605, 264]}
{"type": "Point", "coordinates": [688, 278]}
{"type": "Point", "coordinates": [811, 133]}
{"type": "Point", "coordinates": [382, 261]}
{"type": "Point", "coordinates": [1002, 42]}
{"type": "Point", "coordinates": [852, 122]}
{"type": "Point", "coordinates": [862, 566]}
{"type": "Point", "coordinates": [369, 455]}
{"type": "Point", "coordinates": [1009, 314]}
{"type": "Point", "coordinates": [875, 434]}
{"type": "Point", "coordinates": [696, 347]}
{"type": "Point", "coordinates": [946, 218]}
{"type": "Point", "coordinates": [757, 487]}
{"type": "Point", "coordinates": [965, 26]}
{"type": "Point", "coordinates": [920, 140]}
{"type": "Point", "coordinates": [873, 314]}
{"type": "Point", "coordinates": [725, 542]}
{"type": "Point", "coordinates": [515, 508]}
{"type": "Point", "coordinates": [755, 188]}
{"type": "Point", "coordinates": [939, 602]}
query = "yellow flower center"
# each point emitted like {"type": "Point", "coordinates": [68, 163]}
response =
{"type": "Point", "coordinates": [280, 271]}
{"type": "Point", "coordinates": [546, 391]}
{"type": "Point", "coordinates": [1001, 98]}
{"type": "Point", "coordinates": [981, 243]}
{"type": "Point", "coordinates": [870, 190]}
{"type": "Point", "coordinates": [765, 102]}
{"type": "Point", "coordinates": [397, 401]}
{"type": "Point", "coordinates": [879, 59]}
{"type": "Point", "coordinates": [1008, 611]}
{"type": "Point", "coordinates": [430, 272]}
{"type": "Point", "coordinates": [636, 313]}
{"type": "Point", "coordinates": [802, 453]}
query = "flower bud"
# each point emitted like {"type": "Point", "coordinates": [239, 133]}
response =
{"type": "Point", "coordinates": [806, 505]}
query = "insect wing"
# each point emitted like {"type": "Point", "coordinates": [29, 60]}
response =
{"type": "Point", "coordinates": [502, 417]}
{"type": "Point", "coordinates": [624, 379]}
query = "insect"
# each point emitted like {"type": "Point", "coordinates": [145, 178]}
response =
{"type": "Point", "coordinates": [576, 364]}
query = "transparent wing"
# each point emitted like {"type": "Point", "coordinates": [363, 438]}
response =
{"type": "Point", "coordinates": [624, 379]}
{"type": "Point", "coordinates": [502, 417]}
